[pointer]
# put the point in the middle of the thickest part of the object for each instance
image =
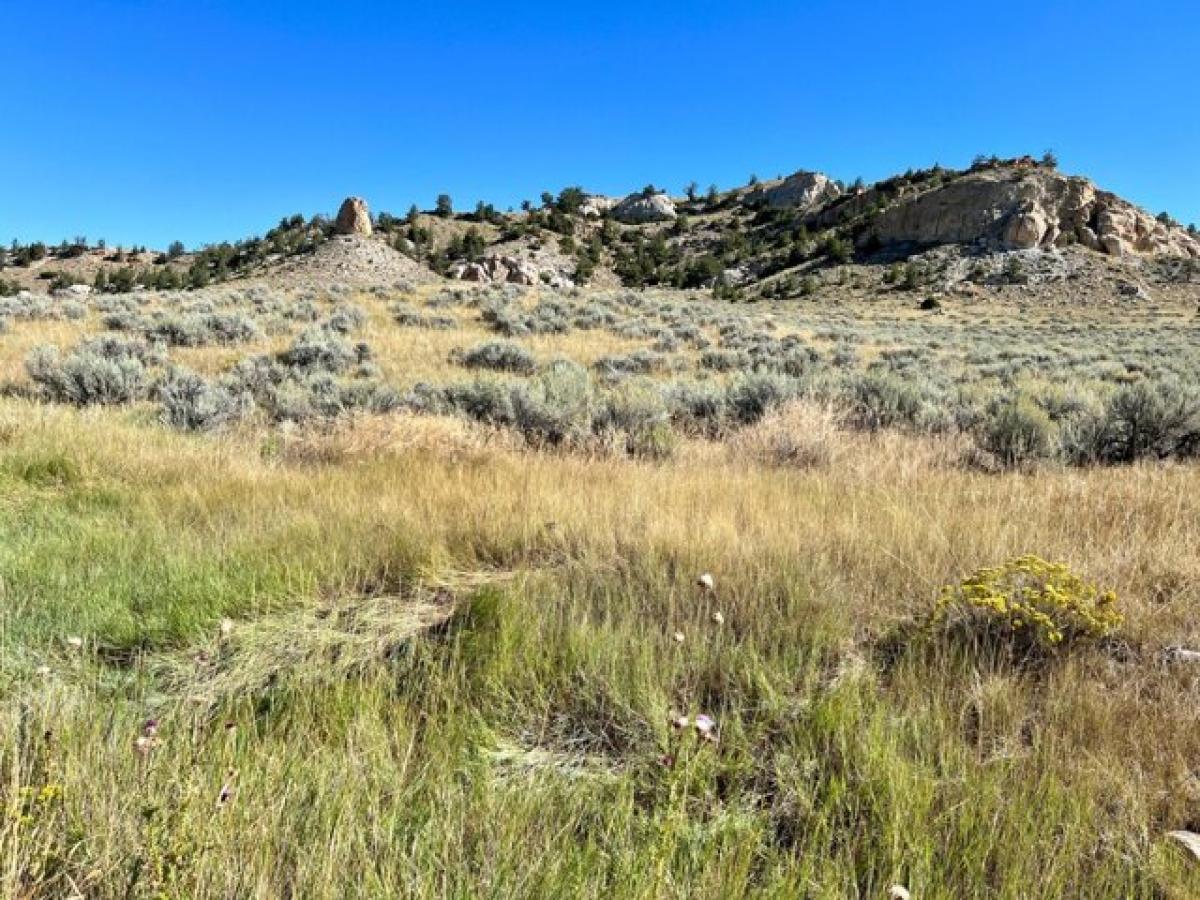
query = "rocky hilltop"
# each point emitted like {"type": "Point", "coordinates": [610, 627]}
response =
{"type": "Point", "coordinates": [783, 236]}
{"type": "Point", "coordinates": [1018, 208]}
{"type": "Point", "coordinates": [807, 191]}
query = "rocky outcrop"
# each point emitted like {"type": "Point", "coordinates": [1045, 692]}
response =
{"type": "Point", "coordinates": [639, 209]}
{"type": "Point", "coordinates": [353, 217]}
{"type": "Point", "coordinates": [595, 206]}
{"type": "Point", "coordinates": [501, 269]}
{"type": "Point", "coordinates": [512, 270]}
{"type": "Point", "coordinates": [464, 271]}
{"type": "Point", "coordinates": [802, 190]}
{"type": "Point", "coordinates": [1022, 208]}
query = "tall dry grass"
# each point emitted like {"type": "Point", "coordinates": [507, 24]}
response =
{"type": "Point", "coordinates": [318, 744]}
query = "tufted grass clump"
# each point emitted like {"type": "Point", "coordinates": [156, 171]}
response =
{"type": "Point", "coordinates": [1029, 604]}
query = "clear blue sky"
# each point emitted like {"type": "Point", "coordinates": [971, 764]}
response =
{"type": "Point", "coordinates": [202, 121]}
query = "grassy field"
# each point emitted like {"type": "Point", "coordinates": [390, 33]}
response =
{"type": "Point", "coordinates": [406, 654]}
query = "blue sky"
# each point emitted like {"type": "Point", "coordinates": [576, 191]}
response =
{"type": "Point", "coordinates": [147, 122]}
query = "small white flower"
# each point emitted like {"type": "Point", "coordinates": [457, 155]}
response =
{"type": "Point", "coordinates": [718, 618]}
{"type": "Point", "coordinates": [226, 793]}
{"type": "Point", "coordinates": [678, 637]}
{"type": "Point", "coordinates": [145, 743]}
{"type": "Point", "coordinates": [898, 892]}
{"type": "Point", "coordinates": [681, 722]}
{"type": "Point", "coordinates": [75, 643]}
{"type": "Point", "coordinates": [44, 671]}
{"type": "Point", "coordinates": [226, 627]}
{"type": "Point", "coordinates": [706, 725]}
{"type": "Point", "coordinates": [706, 582]}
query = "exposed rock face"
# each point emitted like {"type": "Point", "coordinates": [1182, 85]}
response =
{"type": "Point", "coordinates": [502, 269]}
{"type": "Point", "coordinates": [638, 209]}
{"type": "Point", "coordinates": [803, 190]}
{"type": "Point", "coordinates": [595, 206]}
{"type": "Point", "coordinates": [1018, 209]}
{"type": "Point", "coordinates": [522, 273]}
{"type": "Point", "coordinates": [1025, 230]}
{"type": "Point", "coordinates": [353, 217]}
{"type": "Point", "coordinates": [470, 272]}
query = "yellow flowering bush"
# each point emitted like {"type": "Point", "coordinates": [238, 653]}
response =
{"type": "Point", "coordinates": [1031, 602]}
{"type": "Point", "coordinates": [33, 803]}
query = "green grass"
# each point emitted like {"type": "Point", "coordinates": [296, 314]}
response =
{"type": "Point", "coordinates": [524, 747]}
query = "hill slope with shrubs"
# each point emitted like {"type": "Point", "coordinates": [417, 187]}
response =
{"type": "Point", "coordinates": [367, 582]}
{"type": "Point", "coordinates": [998, 224]}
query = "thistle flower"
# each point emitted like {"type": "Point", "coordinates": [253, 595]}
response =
{"type": "Point", "coordinates": [706, 727]}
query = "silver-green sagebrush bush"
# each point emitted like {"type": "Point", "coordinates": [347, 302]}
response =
{"type": "Point", "coordinates": [87, 377]}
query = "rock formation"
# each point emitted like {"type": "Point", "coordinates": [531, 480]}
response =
{"type": "Point", "coordinates": [595, 205]}
{"type": "Point", "coordinates": [639, 209]}
{"type": "Point", "coordinates": [802, 190]}
{"type": "Point", "coordinates": [1020, 208]}
{"type": "Point", "coordinates": [353, 217]}
{"type": "Point", "coordinates": [502, 269]}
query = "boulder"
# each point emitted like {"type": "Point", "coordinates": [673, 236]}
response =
{"type": "Point", "coordinates": [353, 217]}
{"type": "Point", "coordinates": [1025, 230]}
{"type": "Point", "coordinates": [470, 272]}
{"type": "Point", "coordinates": [521, 272]}
{"type": "Point", "coordinates": [1088, 237]}
{"type": "Point", "coordinates": [496, 268]}
{"type": "Point", "coordinates": [1113, 245]}
{"type": "Point", "coordinates": [639, 209]}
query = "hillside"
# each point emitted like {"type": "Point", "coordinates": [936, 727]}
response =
{"type": "Point", "coordinates": [392, 557]}
{"type": "Point", "coordinates": [999, 223]}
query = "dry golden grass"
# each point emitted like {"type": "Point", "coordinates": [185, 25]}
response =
{"type": "Point", "coordinates": [343, 737]}
{"type": "Point", "coordinates": [597, 557]}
